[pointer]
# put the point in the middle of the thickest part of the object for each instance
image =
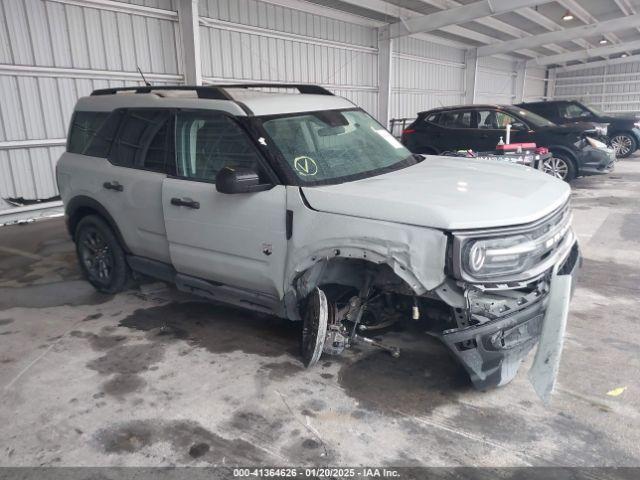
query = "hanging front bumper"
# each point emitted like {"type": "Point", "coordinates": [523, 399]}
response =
{"type": "Point", "coordinates": [492, 352]}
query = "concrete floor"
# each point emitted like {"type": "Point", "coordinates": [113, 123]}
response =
{"type": "Point", "coordinates": [150, 377]}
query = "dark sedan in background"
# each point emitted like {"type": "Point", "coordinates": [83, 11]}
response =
{"type": "Point", "coordinates": [622, 129]}
{"type": "Point", "coordinates": [480, 127]}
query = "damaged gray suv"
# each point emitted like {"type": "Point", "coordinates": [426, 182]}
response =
{"type": "Point", "coordinates": [299, 204]}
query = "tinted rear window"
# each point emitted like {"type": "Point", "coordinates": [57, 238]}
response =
{"type": "Point", "coordinates": [83, 129]}
{"type": "Point", "coordinates": [142, 140]}
{"type": "Point", "coordinates": [100, 144]}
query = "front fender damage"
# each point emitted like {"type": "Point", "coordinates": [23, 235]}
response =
{"type": "Point", "coordinates": [326, 245]}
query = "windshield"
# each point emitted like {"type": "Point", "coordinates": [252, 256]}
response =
{"type": "Point", "coordinates": [596, 111]}
{"type": "Point", "coordinates": [334, 146]}
{"type": "Point", "coordinates": [532, 118]}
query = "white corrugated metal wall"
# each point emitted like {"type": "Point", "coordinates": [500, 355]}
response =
{"type": "Point", "coordinates": [54, 51]}
{"type": "Point", "coordinates": [534, 84]}
{"type": "Point", "coordinates": [247, 40]}
{"type": "Point", "coordinates": [611, 88]}
{"type": "Point", "coordinates": [428, 75]}
{"type": "Point", "coordinates": [495, 82]}
{"type": "Point", "coordinates": [425, 76]}
{"type": "Point", "coordinates": [51, 53]}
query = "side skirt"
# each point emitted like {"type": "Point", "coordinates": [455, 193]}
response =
{"type": "Point", "coordinates": [219, 292]}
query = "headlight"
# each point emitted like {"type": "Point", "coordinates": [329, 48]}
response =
{"type": "Point", "coordinates": [495, 257]}
{"type": "Point", "coordinates": [596, 143]}
{"type": "Point", "coordinates": [477, 256]}
{"type": "Point", "coordinates": [518, 253]}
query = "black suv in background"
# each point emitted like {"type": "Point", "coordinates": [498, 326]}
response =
{"type": "Point", "coordinates": [479, 128]}
{"type": "Point", "coordinates": [622, 130]}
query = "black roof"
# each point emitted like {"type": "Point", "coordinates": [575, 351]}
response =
{"type": "Point", "coordinates": [464, 107]}
{"type": "Point", "coordinates": [217, 92]}
{"type": "Point", "coordinates": [544, 102]}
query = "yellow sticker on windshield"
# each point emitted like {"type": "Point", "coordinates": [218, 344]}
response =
{"type": "Point", "coordinates": [305, 166]}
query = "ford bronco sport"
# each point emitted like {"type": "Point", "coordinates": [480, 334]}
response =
{"type": "Point", "coordinates": [301, 205]}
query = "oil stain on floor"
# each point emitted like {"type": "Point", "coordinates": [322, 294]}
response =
{"type": "Point", "coordinates": [216, 328]}
{"type": "Point", "coordinates": [414, 384]}
{"type": "Point", "coordinates": [188, 439]}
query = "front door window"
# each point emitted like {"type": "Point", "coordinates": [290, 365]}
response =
{"type": "Point", "coordinates": [208, 142]}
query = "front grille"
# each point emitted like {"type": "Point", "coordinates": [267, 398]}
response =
{"type": "Point", "coordinates": [549, 236]}
{"type": "Point", "coordinates": [550, 240]}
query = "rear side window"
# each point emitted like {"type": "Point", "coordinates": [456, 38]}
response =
{"type": "Point", "coordinates": [100, 144]}
{"type": "Point", "coordinates": [84, 127]}
{"type": "Point", "coordinates": [546, 110]}
{"type": "Point", "coordinates": [453, 119]}
{"type": "Point", "coordinates": [144, 141]}
{"type": "Point", "coordinates": [433, 118]}
{"type": "Point", "coordinates": [161, 153]}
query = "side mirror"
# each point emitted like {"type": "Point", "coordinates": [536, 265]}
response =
{"type": "Point", "coordinates": [518, 126]}
{"type": "Point", "coordinates": [239, 180]}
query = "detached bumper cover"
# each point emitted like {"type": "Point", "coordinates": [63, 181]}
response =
{"type": "Point", "coordinates": [636, 134]}
{"type": "Point", "coordinates": [492, 352]}
{"type": "Point", "coordinates": [595, 161]}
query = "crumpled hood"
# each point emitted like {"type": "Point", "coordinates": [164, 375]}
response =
{"type": "Point", "coordinates": [447, 193]}
{"type": "Point", "coordinates": [619, 117]}
{"type": "Point", "coordinates": [567, 128]}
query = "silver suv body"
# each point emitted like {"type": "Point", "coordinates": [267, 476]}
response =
{"type": "Point", "coordinates": [303, 206]}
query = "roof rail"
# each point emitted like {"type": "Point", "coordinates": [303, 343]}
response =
{"type": "Point", "coordinates": [202, 91]}
{"type": "Point", "coordinates": [216, 92]}
{"type": "Point", "coordinates": [301, 87]}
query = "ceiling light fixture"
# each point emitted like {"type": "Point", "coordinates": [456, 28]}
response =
{"type": "Point", "coordinates": [567, 16]}
{"type": "Point", "coordinates": [624, 55]}
{"type": "Point", "coordinates": [603, 41]}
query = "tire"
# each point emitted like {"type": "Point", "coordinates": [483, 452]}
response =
{"type": "Point", "coordinates": [560, 166]}
{"type": "Point", "coordinates": [624, 144]}
{"type": "Point", "coordinates": [100, 255]}
{"type": "Point", "coordinates": [314, 327]}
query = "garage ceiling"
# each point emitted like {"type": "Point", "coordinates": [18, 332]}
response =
{"type": "Point", "coordinates": [493, 34]}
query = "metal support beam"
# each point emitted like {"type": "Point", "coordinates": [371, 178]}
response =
{"type": "Point", "coordinates": [394, 13]}
{"type": "Point", "coordinates": [536, 17]}
{"type": "Point", "coordinates": [33, 71]}
{"type": "Point", "coordinates": [325, 11]}
{"type": "Point", "coordinates": [384, 75]}
{"type": "Point", "coordinates": [583, 31]}
{"type": "Point", "coordinates": [584, 16]}
{"type": "Point", "coordinates": [520, 81]}
{"type": "Point", "coordinates": [599, 63]}
{"type": "Point", "coordinates": [551, 84]}
{"type": "Point", "coordinates": [585, 54]}
{"type": "Point", "coordinates": [492, 22]}
{"type": "Point", "coordinates": [116, 6]}
{"type": "Point", "coordinates": [457, 15]}
{"type": "Point", "coordinates": [470, 74]}
{"type": "Point", "coordinates": [190, 41]}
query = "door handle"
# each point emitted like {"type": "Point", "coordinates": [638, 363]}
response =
{"type": "Point", "coordinates": [185, 202]}
{"type": "Point", "coordinates": [113, 186]}
{"type": "Point", "coordinates": [484, 135]}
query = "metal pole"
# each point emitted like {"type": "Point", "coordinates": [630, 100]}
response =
{"type": "Point", "coordinates": [189, 22]}
{"type": "Point", "coordinates": [384, 75]}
